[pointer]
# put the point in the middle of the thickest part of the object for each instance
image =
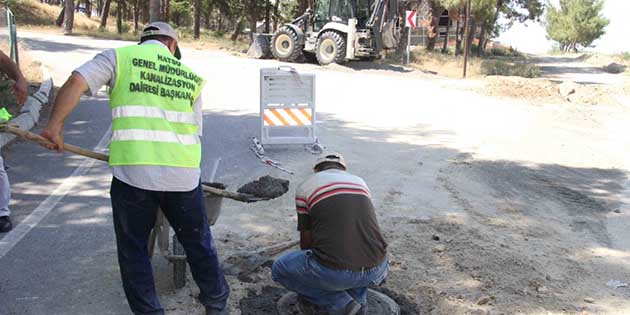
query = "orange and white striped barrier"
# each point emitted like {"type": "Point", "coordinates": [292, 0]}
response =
{"type": "Point", "coordinates": [287, 117]}
{"type": "Point", "coordinates": [287, 107]}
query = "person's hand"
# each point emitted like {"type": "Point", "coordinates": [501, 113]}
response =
{"type": "Point", "coordinates": [52, 132]}
{"type": "Point", "coordinates": [21, 90]}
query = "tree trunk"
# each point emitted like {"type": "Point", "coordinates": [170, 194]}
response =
{"type": "Point", "coordinates": [471, 35]}
{"type": "Point", "coordinates": [237, 30]}
{"type": "Point", "coordinates": [88, 8]}
{"type": "Point", "coordinates": [61, 17]}
{"type": "Point", "coordinates": [154, 10]}
{"type": "Point", "coordinates": [482, 39]}
{"type": "Point", "coordinates": [267, 16]}
{"type": "Point", "coordinates": [146, 11]}
{"type": "Point", "coordinates": [206, 16]}
{"type": "Point", "coordinates": [197, 19]}
{"type": "Point", "coordinates": [220, 22]}
{"type": "Point", "coordinates": [167, 12]}
{"type": "Point", "coordinates": [69, 19]}
{"type": "Point", "coordinates": [105, 14]}
{"type": "Point", "coordinates": [119, 16]}
{"type": "Point", "coordinates": [136, 15]}
{"type": "Point", "coordinates": [448, 29]}
{"type": "Point", "coordinates": [276, 15]}
{"type": "Point", "coordinates": [99, 7]}
{"type": "Point", "coordinates": [432, 30]}
{"type": "Point", "coordinates": [252, 26]}
{"type": "Point", "coordinates": [458, 39]}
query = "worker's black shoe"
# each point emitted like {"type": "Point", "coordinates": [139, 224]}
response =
{"type": "Point", "coordinates": [352, 308]}
{"type": "Point", "coordinates": [307, 308]}
{"type": "Point", "coordinates": [5, 224]}
{"type": "Point", "coordinates": [214, 311]}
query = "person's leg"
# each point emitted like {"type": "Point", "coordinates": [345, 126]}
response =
{"type": "Point", "coordinates": [134, 216]}
{"type": "Point", "coordinates": [359, 294]}
{"type": "Point", "coordinates": [5, 191]}
{"type": "Point", "coordinates": [371, 277]}
{"type": "Point", "coordinates": [187, 215]}
{"type": "Point", "coordinates": [297, 272]}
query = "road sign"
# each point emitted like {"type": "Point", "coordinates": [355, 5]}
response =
{"type": "Point", "coordinates": [411, 19]}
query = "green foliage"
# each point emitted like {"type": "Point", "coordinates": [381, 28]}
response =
{"type": "Point", "coordinates": [505, 52]}
{"type": "Point", "coordinates": [181, 12]}
{"type": "Point", "coordinates": [624, 56]}
{"type": "Point", "coordinates": [576, 23]}
{"type": "Point", "coordinates": [503, 68]}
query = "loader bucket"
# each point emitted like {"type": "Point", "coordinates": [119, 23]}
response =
{"type": "Point", "coordinates": [260, 47]}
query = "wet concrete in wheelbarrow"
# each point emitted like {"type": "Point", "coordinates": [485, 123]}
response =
{"type": "Point", "coordinates": [266, 187]}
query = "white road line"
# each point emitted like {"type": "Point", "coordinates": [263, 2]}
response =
{"type": "Point", "coordinates": [12, 238]}
{"type": "Point", "coordinates": [214, 169]}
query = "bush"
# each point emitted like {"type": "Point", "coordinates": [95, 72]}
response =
{"type": "Point", "coordinates": [624, 56]}
{"type": "Point", "coordinates": [505, 52]}
{"type": "Point", "coordinates": [218, 34]}
{"type": "Point", "coordinates": [502, 68]}
{"type": "Point", "coordinates": [125, 28]}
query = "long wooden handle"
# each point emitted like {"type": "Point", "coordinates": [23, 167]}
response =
{"type": "Point", "coordinates": [105, 158]}
{"type": "Point", "coordinates": [232, 195]}
{"type": "Point", "coordinates": [44, 142]}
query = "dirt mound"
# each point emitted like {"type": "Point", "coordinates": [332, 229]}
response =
{"type": "Point", "coordinates": [522, 88]}
{"type": "Point", "coordinates": [266, 187]}
{"type": "Point", "coordinates": [545, 91]}
{"type": "Point", "coordinates": [592, 95]}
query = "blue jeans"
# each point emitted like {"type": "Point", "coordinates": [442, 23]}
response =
{"type": "Point", "coordinates": [332, 289]}
{"type": "Point", "coordinates": [135, 211]}
{"type": "Point", "coordinates": [5, 191]}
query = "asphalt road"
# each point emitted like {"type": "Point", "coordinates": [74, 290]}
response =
{"type": "Point", "coordinates": [67, 263]}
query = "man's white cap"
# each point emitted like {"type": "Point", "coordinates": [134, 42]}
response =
{"type": "Point", "coordinates": [331, 156]}
{"type": "Point", "coordinates": [163, 29]}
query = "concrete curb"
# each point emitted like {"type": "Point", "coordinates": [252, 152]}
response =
{"type": "Point", "coordinates": [30, 111]}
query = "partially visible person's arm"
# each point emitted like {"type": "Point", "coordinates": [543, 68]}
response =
{"type": "Point", "coordinates": [11, 69]}
{"type": "Point", "coordinates": [67, 99]}
{"type": "Point", "coordinates": [88, 78]}
{"type": "Point", "coordinates": [304, 220]}
{"type": "Point", "coordinates": [306, 239]}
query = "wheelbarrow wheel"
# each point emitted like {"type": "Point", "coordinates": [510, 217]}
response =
{"type": "Point", "coordinates": [179, 266]}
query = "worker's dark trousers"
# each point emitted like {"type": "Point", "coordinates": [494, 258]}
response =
{"type": "Point", "coordinates": [135, 212]}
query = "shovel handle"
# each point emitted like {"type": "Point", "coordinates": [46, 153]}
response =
{"type": "Point", "coordinates": [24, 134]}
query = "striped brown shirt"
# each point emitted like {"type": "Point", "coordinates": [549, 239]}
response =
{"type": "Point", "coordinates": [336, 207]}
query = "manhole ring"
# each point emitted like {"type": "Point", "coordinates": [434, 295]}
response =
{"type": "Point", "coordinates": [378, 304]}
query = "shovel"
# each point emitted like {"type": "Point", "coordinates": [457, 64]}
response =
{"type": "Point", "coordinates": [242, 264]}
{"type": "Point", "coordinates": [24, 134]}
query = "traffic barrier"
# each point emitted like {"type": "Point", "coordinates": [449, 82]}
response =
{"type": "Point", "coordinates": [287, 107]}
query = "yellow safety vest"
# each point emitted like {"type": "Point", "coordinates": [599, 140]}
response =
{"type": "Point", "coordinates": [153, 122]}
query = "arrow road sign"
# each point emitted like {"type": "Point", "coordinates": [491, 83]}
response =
{"type": "Point", "coordinates": [411, 19]}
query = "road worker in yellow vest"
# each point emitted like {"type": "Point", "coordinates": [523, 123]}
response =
{"type": "Point", "coordinates": [155, 155]}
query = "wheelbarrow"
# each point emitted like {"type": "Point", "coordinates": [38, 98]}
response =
{"type": "Point", "coordinates": [160, 234]}
{"type": "Point", "coordinates": [174, 251]}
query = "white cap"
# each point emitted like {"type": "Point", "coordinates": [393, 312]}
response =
{"type": "Point", "coordinates": [331, 156]}
{"type": "Point", "coordinates": [162, 29]}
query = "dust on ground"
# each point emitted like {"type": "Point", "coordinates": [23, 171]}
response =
{"type": "Point", "coordinates": [513, 238]}
{"type": "Point", "coordinates": [519, 249]}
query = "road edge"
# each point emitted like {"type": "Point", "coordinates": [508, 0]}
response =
{"type": "Point", "coordinates": [29, 115]}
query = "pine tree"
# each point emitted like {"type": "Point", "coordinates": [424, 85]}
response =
{"type": "Point", "coordinates": [576, 23]}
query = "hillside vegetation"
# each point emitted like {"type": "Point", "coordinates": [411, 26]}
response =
{"type": "Point", "coordinates": [33, 12]}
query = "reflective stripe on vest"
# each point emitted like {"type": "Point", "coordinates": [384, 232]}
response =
{"type": "Point", "coordinates": [153, 122]}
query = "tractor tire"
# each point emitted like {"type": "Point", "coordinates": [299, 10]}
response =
{"type": "Point", "coordinates": [331, 47]}
{"type": "Point", "coordinates": [286, 45]}
{"type": "Point", "coordinates": [179, 266]}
